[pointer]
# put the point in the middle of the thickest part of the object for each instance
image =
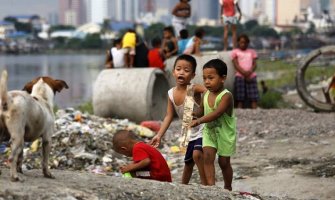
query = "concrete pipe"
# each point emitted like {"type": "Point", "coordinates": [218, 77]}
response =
{"type": "Point", "coordinates": [201, 60]}
{"type": "Point", "coordinates": [301, 83]}
{"type": "Point", "coordinates": [136, 94]}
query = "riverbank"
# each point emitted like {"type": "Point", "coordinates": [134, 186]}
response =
{"type": "Point", "coordinates": [281, 154]}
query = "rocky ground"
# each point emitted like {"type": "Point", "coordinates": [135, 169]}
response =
{"type": "Point", "coordinates": [282, 154]}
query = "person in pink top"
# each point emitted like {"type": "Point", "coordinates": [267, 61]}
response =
{"type": "Point", "coordinates": [229, 19]}
{"type": "Point", "coordinates": [245, 85]}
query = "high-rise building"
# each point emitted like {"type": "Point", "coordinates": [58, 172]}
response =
{"type": "Point", "coordinates": [97, 10]}
{"type": "Point", "coordinates": [205, 10]}
{"type": "Point", "coordinates": [290, 12]}
{"type": "Point", "coordinates": [72, 12]}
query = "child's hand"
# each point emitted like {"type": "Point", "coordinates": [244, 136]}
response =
{"type": "Point", "coordinates": [126, 168]}
{"type": "Point", "coordinates": [195, 123]}
{"type": "Point", "coordinates": [155, 141]}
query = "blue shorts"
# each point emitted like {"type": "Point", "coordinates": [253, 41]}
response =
{"type": "Point", "coordinates": [192, 145]}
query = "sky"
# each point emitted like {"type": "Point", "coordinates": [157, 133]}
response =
{"type": "Point", "coordinates": [17, 7]}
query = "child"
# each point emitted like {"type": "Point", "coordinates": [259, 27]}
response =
{"type": "Point", "coordinates": [116, 55]}
{"type": "Point", "coordinates": [155, 57]}
{"type": "Point", "coordinates": [148, 162]}
{"type": "Point", "coordinates": [193, 44]}
{"type": "Point", "coordinates": [183, 40]}
{"type": "Point", "coordinates": [244, 60]}
{"type": "Point", "coordinates": [129, 44]}
{"type": "Point", "coordinates": [169, 46]}
{"type": "Point", "coordinates": [181, 12]}
{"type": "Point", "coordinates": [219, 135]}
{"type": "Point", "coordinates": [184, 72]}
{"type": "Point", "coordinates": [229, 19]}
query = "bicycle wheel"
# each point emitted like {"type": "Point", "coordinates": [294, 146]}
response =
{"type": "Point", "coordinates": [313, 75]}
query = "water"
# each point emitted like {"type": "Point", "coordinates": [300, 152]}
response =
{"type": "Point", "coordinates": [79, 71]}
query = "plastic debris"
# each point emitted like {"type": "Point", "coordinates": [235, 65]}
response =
{"type": "Point", "coordinates": [127, 175]}
{"type": "Point", "coordinates": [34, 145]}
{"type": "Point", "coordinates": [187, 116]}
{"type": "Point", "coordinates": [152, 125]}
{"type": "Point", "coordinates": [175, 149]}
{"type": "Point", "coordinates": [84, 142]}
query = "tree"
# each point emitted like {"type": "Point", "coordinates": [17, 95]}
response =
{"type": "Point", "coordinates": [92, 41]}
{"type": "Point", "coordinates": [25, 27]}
{"type": "Point", "coordinates": [251, 24]}
{"type": "Point", "coordinates": [61, 27]}
{"type": "Point", "coordinates": [264, 31]}
{"type": "Point", "coordinates": [154, 30]}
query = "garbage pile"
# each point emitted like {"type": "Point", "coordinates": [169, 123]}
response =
{"type": "Point", "coordinates": [84, 142]}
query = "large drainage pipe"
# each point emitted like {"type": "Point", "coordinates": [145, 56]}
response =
{"type": "Point", "coordinates": [201, 60]}
{"type": "Point", "coordinates": [136, 94]}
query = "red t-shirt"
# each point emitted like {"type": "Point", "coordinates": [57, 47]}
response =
{"type": "Point", "coordinates": [155, 59]}
{"type": "Point", "coordinates": [158, 168]}
{"type": "Point", "coordinates": [228, 7]}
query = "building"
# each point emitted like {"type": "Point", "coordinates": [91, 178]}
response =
{"type": "Point", "coordinates": [289, 12]}
{"type": "Point", "coordinates": [6, 28]}
{"type": "Point", "coordinates": [72, 12]}
{"type": "Point", "coordinates": [34, 20]}
{"type": "Point", "coordinates": [205, 12]}
{"type": "Point", "coordinates": [97, 11]}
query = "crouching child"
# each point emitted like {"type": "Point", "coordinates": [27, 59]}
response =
{"type": "Point", "coordinates": [148, 162]}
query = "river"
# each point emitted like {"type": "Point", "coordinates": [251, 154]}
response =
{"type": "Point", "coordinates": [79, 71]}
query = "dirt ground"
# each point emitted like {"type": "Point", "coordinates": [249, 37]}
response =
{"type": "Point", "coordinates": [286, 153]}
{"type": "Point", "coordinates": [281, 154]}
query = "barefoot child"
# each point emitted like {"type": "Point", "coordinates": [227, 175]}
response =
{"type": "Point", "coordinates": [148, 162]}
{"type": "Point", "coordinates": [245, 83]}
{"type": "Point", "coordinates": [219, 135]}
{"type": "Point", "coordinates": [184, 72]}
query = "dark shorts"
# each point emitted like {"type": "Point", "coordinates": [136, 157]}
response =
{"type": "Point", "coordinates": [245, 90]}
{"type": "Point", "coordinates": [192, 145]}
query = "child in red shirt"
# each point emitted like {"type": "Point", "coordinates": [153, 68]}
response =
{"type": "Point", "coordinates": [229, 19]}
{"type": "Point", "coordinates": [155, 56]}
{"type": "Point", "coordinates": [148, 161]}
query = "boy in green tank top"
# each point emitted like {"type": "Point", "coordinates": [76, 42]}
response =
{"type": "Point", "coordinates": [217, 112]}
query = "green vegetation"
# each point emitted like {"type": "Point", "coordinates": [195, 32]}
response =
{"type": "Point", "coordinates": [86, 107]}
{"type": "Point", "coordinates": [271, 99]}
{"type": "Point", "coordinates": [284, 76]}
{"type": "Point", "coordinates": [284, 70]}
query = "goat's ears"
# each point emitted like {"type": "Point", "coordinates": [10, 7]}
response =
{"type": "Point", "coordinates": [59, 85]}
{"type": "Point", "coordinates": [29, 86]}
{"type": "Point", "coordinates": [56, 85]}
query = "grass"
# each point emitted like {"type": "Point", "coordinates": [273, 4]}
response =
{"type": "Point", "coordinates": [285, 73]}
{"type": "Point", "coordinates": [86, 107]}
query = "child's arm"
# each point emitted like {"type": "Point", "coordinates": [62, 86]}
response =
{"type": "Point", "coordinates": [253, 68]}
{"type": "Point", "coordinates": [189, 13]}
{"type": "Point", "coordinates": [197, 44]}
{"type": "Point", "coordinates": [135, 166]}
{"type": "Point", "coordinates": [175, 10]}
{"type": "Point", "coordinates": [165, 125]}
{"type": "Point", "coordinates": [199, 89]}
{"type": "Point", "coordinates": [108, 60]}
{"type": "Point", "coordinates": [238, 67]}
{"type": "Point", "coordinates": [239, 11]}
{"type": "Point", "coordinates": [224, 105]}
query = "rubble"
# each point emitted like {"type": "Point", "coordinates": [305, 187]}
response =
{"type": "Point", "coordinates": [82, 143]}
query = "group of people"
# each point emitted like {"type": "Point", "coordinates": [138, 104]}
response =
{"type": "Point", "coordinates": [229, 8]}
{"type": "Point", "coordinates": [124, 51]}
{"type": "Point", "coordinates": [213, 128]}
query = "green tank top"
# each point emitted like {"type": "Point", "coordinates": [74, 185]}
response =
{"type": "Point", "coordinates": [225, 124]}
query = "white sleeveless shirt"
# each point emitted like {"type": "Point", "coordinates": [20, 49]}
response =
{"type": "Point", "coordinates": [196, 131]}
